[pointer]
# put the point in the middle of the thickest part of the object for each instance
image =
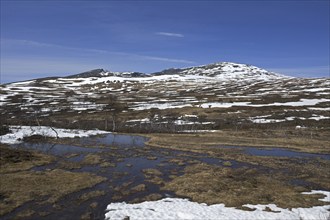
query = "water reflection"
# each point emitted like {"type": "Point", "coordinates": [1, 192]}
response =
{"type": "Point", "coordinates": [56, 149]}
{"type": "Point", "coordinates": [116, 140]}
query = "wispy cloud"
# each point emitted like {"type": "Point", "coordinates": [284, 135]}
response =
{"type": "Point", "coordinates": [169, 60]}
{"type": "Point", "coordinates": [87, 50]}
{"type": "Point", "coordinates": [168, 34]}
{"type": "Point", "coordinates": [31, 43]}
{"type": "Point", "coordinates": [25, 59]}
{"type": "Point", "coordinates": [16, 69]}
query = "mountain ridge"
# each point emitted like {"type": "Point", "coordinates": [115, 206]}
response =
{"type": "Point", "coordinates": [211, 70]}
{"type": "Point", "coordinates": [218, 96]}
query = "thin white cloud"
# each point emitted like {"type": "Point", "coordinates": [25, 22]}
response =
{"type": "Point", "coordinates": [19, 42]}
{"type": "Point", "coordinates": [167, 59]}
{"type": "Point", "coordinates": [34, 65]}
{"type": "Point", "coordinates": [86, 50]}
{"type": "Point", "coordinates": [31, 68]}
{"type": "Point", "coordinates": [168, 34]}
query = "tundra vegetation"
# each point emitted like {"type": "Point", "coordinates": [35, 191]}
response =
{"type": "Point", "coordinates": [191, 117]}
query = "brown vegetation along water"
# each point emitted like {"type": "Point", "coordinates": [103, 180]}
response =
{"type": "Point", "coordinates": [20, 185]}
{"type": "Point", "coordinates": [235, 187]}
{"type": "Point", "coordinates": [312, 141]}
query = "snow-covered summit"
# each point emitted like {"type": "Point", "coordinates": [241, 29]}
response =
{"type": "Point", "coordinates": [225, 70]}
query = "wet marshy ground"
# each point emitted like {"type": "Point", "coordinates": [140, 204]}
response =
{"type": "Point", "coordinates": [277, 152]}
{"type": "Point", "coordinates": [133, 172]}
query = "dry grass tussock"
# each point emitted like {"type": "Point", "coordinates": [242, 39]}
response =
{"type": "Point", "coordinates": [14, 160]}
{"type": "Point", "coordinates": [236, 187]}
{"type": "Point", "coordinates": [20, 185]}
{"type": "Point", "coordinates": [298, 140]}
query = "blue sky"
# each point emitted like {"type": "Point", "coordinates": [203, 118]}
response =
{"type": "Point", "coordinates": [57, 38]}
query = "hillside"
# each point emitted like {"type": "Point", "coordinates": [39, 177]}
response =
{"type": "Point", "coordinates": [223, 139]}
{"type": "Point", "coordinates": [210, 97]}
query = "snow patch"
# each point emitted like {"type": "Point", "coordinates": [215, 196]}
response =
{"type": "Point", "coordinates": [144, 106]}
{"type": "Point", "coordinates": [174, 208]}
{"type": "Point", "coordinates": [19, 132]}
{"type": "Point", "coordinates": [301, 102]}
{"type": "Point", "coordinates": [223, 104]}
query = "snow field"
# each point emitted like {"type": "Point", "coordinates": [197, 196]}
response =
{"type": "Point", "coordinates": [177, 209]}
{"type": "Point", "coordinates": [19, 132]}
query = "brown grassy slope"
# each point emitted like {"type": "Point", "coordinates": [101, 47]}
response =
{"type": "Point", "coordinates": [297, 140]}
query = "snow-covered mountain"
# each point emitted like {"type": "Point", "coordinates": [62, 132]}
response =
{"type": "Point", "coordinates": [213, 96]}
{"type": "Point", "coordinates": [225, 70]}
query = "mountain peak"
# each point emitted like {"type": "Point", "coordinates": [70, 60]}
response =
{"type": "Point", "coordinates": [90, 73]}
{"type": "Point", "coordinates": [104, 73]}
{"type": "Point", "coordinates": [223, 70]}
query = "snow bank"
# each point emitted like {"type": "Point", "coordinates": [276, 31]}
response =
{"type": "Point", "coordinates": [145, 106]}
{"type": "Point", "coordinates": [19, 132]}
{"type": "Point", "coordinates": [223, 104]}
{"type": "Point", "coordinates": [173, 208]}
{"type": "Point", "coordinates": [301, 102]}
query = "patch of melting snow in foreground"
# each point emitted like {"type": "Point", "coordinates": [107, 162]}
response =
{"type": "Point", "coordinates": [174, 208]}
{"type": "Point", "coordinates": [19, 132]}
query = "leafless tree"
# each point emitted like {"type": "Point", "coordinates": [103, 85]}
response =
{"type": "Point", "coordinates": [114, 107]}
